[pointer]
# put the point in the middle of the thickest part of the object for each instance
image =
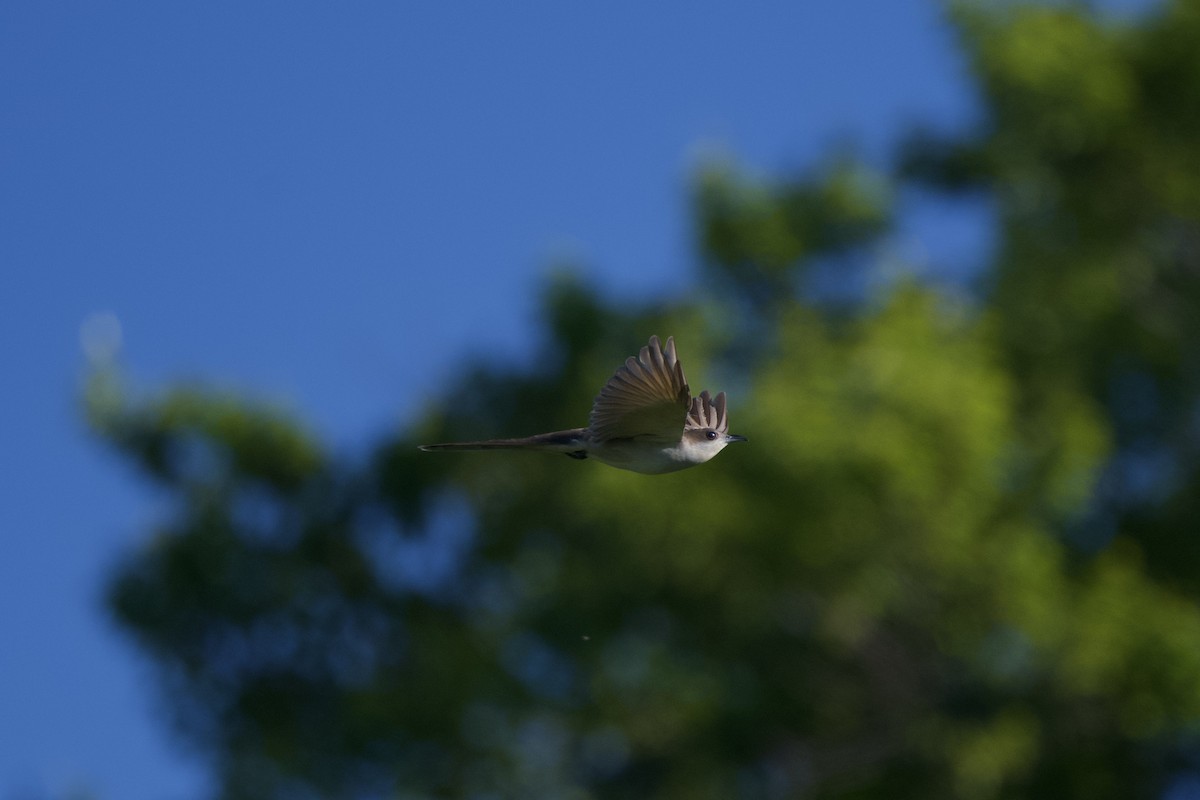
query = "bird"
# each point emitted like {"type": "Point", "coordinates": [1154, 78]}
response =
{"type": "Point", "coordinates": [644, 420]}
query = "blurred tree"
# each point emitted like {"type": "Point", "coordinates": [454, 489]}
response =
{"type": "Point", "coordinates": [957, 559]}
{"type": "Point", "coordinates": [1089, 144]}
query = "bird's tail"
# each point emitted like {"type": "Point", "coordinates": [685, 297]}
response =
{"type": "Point", "coordinates": [572, 442]}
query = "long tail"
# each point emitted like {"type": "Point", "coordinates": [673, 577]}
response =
{"type": "Point", "coordinates": [572, 442]}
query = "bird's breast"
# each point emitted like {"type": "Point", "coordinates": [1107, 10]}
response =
{"type": "Point", "coordinates": [651, 458]}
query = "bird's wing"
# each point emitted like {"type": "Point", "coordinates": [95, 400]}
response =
{"type": "Point", "coordinates": [647, 398]}
{"type": "Point", "coordinates": [708, 412]}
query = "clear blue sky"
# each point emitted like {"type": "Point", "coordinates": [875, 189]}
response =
{"type": "Point", "coordinates": [328, 205]}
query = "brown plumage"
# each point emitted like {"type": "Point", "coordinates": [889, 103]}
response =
{"type": "Point", "coordinates": [644, 420]}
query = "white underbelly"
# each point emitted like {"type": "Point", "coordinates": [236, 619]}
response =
{"type": "Point", "coordinates": [638, 457]}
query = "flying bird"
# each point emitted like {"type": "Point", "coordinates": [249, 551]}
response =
{"type": "Point", "coordinates": [644, 420]}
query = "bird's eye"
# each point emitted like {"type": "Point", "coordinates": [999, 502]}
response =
{"type": "Point", "coordinates": [711, 435]}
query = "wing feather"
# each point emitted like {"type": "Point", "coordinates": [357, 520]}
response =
{"type": "Point", "coordinates": [708, 412]}
{"type": "Point", "coordinates": [647, 397]}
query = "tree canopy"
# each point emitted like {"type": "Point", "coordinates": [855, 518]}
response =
{"type": "Point", "coordinates": [957, 559]}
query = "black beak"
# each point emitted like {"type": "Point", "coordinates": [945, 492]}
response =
{"type": "Point", "coordinates": [733, 437]}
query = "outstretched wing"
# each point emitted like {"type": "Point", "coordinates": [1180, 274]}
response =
{"type": "Point", "coordinates": [647, 398]}
{"type": "Point", "coordinates": [708, 412]}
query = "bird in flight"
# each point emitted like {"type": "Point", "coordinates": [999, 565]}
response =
{"type": "Point", "coordinates": [644, 420]}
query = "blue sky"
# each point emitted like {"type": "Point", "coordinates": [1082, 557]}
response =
{"type": "Point", "coordinates": [328, 206]}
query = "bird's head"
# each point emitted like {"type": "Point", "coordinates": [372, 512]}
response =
{"type": "Point", "coordinates": [706, 431]}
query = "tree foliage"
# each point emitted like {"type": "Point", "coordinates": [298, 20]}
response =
{"type": "Point", "coordinates": [957, 558]}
